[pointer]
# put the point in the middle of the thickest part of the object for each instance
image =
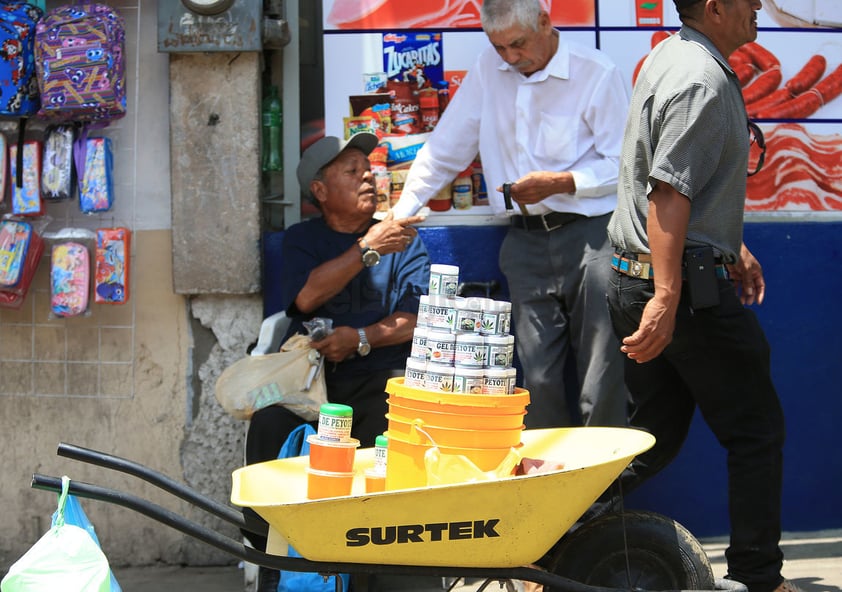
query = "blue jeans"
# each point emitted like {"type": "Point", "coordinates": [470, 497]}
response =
{"type": "Point", "coordinates": [557, 281]}
{"type": "Point", "coordinates": [718, 360]}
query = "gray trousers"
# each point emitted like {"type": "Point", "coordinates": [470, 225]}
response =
{"type": "Point", "coordinates": [558, 282]}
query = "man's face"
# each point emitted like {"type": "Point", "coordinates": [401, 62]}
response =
{"type": "Point", "coordinates": [741, 20]}
{"type": "Point", "coordinates": [524, 49]}
{"type": "Point", "coordinates": [349, 185]}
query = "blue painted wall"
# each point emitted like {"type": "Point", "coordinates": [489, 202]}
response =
{"type": "Point", "coordinates": [802, 317]}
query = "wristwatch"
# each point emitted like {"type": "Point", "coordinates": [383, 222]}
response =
{"type": "Point", "coordinates": [364, 348]}
{"type": "Point", "coordinates": [370, 257]}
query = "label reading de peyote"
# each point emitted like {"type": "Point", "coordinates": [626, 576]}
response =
{"type": "Point", "coordinates": [335, 422]}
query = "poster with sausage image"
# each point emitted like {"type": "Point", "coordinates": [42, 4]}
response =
{"type": "Point", "coordinates": [437, 14]}
{"type": "Point", "coordinates": [791, 75]}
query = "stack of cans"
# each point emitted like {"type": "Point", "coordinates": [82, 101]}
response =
{"type": "Point", "coordinates": [461, 345]}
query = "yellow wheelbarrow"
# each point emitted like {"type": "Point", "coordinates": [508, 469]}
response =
{"type": "Point", "coordinates": [496, 529]}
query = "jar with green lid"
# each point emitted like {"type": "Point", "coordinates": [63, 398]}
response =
{"type": "Point", "coordinates": [335, 422]}
{"type": "Point", "coordinates": [381, 444]}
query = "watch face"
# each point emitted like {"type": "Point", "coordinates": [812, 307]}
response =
{"type": "Point", "coordinates": [371, 258]}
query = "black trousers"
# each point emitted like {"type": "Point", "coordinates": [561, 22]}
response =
{"type": "Point", "coordinates": [270, 427]}
{"type": "Point", "coordinates": [717, 361]}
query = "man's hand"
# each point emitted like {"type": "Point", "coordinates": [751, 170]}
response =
{"type": "Point", "coordinates": [654, 333]}
{"type": "Point", "coordinates": [391, 235]}
{"type": "Point", "coordinates": [535, 186]}
{"type": "Point", "coordinates": [339, 345]}
{"type": "Point", "coordinates": [748, 278]}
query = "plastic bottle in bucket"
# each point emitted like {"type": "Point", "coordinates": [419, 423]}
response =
{"type": "Point", "coordinates": [375, 477]}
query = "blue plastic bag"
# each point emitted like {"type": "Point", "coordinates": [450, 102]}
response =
{"type": "Point", "coordinates": [75, 515]}
{"type": "Point", "coordinates": [295, 581]}
{"type": "Point", "coordinates": [66, 558]}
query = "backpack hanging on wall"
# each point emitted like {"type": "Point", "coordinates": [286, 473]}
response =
{"type": "Point", "coordinates": [19, 96]}
{"type": "Point", "coordinates": [18, 84]}
{"type": "Point", "coordinates": [80, 62]}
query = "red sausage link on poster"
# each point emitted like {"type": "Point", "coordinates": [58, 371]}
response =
{"type": "Point", "coordinates": [800, 107]}
{"type": "Point", "coordinates": [810, 74]}
{"type": "Point", "coordinates": [831, 85]}
{"type": "Point", "coordinates": [761, 57]}
{"type": "Point", "coordinates": [740, 56]}
{"type": "Point", "coordinates": [779, 96]}
{"type": "Point", "coordinates": [744, 72]}
{"type": "Point", "coordinates": [762, 85]}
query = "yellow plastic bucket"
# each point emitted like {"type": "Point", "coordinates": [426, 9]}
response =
{"type": "Point", "coordinates": [468, 421]}
{"type": "Point", "coordinates": [406, 469]}
{"type": "Point", "coordinates": [417, 430]}
{"type": "Point", "coordinates": [421, 399]}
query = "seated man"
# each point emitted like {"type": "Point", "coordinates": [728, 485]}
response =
{"type": "Point", "coordinates": [364, 275]}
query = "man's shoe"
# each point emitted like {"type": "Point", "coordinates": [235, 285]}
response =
{"type": "Point", "coordinates": [268, 579]}
{"type": "Point", "coordinates": [787, 586]}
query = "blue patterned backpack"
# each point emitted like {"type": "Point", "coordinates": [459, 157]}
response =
{"type": "Point", "coordinates": [18, 84]}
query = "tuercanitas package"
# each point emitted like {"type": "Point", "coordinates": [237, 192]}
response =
{"type": "Point", "coordinates": [414, 57]}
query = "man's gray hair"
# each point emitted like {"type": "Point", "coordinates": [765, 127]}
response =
{"type": "Point", "coordinates": [497, 15]}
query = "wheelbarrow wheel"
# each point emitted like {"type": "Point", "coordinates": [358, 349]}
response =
{"type": "Point", "coordinates": [636, 550]}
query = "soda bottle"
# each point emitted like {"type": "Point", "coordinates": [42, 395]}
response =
{"type": "Point", "coordinates": [272, 116]}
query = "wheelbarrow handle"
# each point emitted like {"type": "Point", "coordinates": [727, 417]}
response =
{"type": "Point", "coordinates": [300, 564]}
{"type": "Point", "coordinates": [174, 520]}
{"type": "Point", "coordinates": [109, 461]}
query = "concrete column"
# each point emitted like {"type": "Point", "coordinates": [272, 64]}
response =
{"type": "Point", "coordinates": [215, 166]}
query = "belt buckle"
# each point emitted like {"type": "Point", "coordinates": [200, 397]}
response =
{"type": "Point", "coordinates": [544, 222]}
{"type": "Point", "coordinates": [547, 227]}
{"type": "Point", "coordinates": [635, 268]}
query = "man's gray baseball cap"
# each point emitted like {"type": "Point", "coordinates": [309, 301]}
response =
{"type": "Point", "coordinates": [323, 152]}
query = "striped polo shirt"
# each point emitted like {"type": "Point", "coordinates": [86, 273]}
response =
{"type": "Point", "coordinates": [687, 126]}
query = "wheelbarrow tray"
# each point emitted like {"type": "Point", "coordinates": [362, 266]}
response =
{"type": "Point", "coordinates": [500, 523]}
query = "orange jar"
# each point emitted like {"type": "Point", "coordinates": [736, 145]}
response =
{"type": "Point", "coordinates": [322, 484]}
{"type": "Point", "coordinates": [326, 455]}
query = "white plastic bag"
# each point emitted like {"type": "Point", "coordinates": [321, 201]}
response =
{"type": "Point", "coordinates": [66, 558]}
{"type": "Point", "coordinates": [292, 377]}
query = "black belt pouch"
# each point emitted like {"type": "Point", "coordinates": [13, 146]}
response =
{"type": "Point", "coordinates": [702, 284]}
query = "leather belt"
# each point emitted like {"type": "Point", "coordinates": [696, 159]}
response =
{"type": "Point", "coordinates": [639, 265]}
{"type": "Point", "coordinates": [544, 222]}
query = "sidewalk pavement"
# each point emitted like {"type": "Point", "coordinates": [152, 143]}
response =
{"type": "Point", "coordinates": [813, 562]}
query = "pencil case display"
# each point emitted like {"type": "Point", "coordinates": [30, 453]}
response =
{"type": "Point", "coordinates": [21, 249]}
{"type": "Point", "coordinates": [111, 275]}
{"type": "Point", "coordinates": [4, 166]}
{"type": "Point", "coordinates": [26, 198]}
{"type": "Point", "coordinates": [17, 238]}
{"type": "Point", "coordinates": [58, 173]}
{"type": "Point", "coordinates": [96, 185]}
{"type": "Point", "coordinates": [69, 279]}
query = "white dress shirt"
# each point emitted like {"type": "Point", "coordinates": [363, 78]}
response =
{"type": "Point", "coordinates": [567, 117]}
